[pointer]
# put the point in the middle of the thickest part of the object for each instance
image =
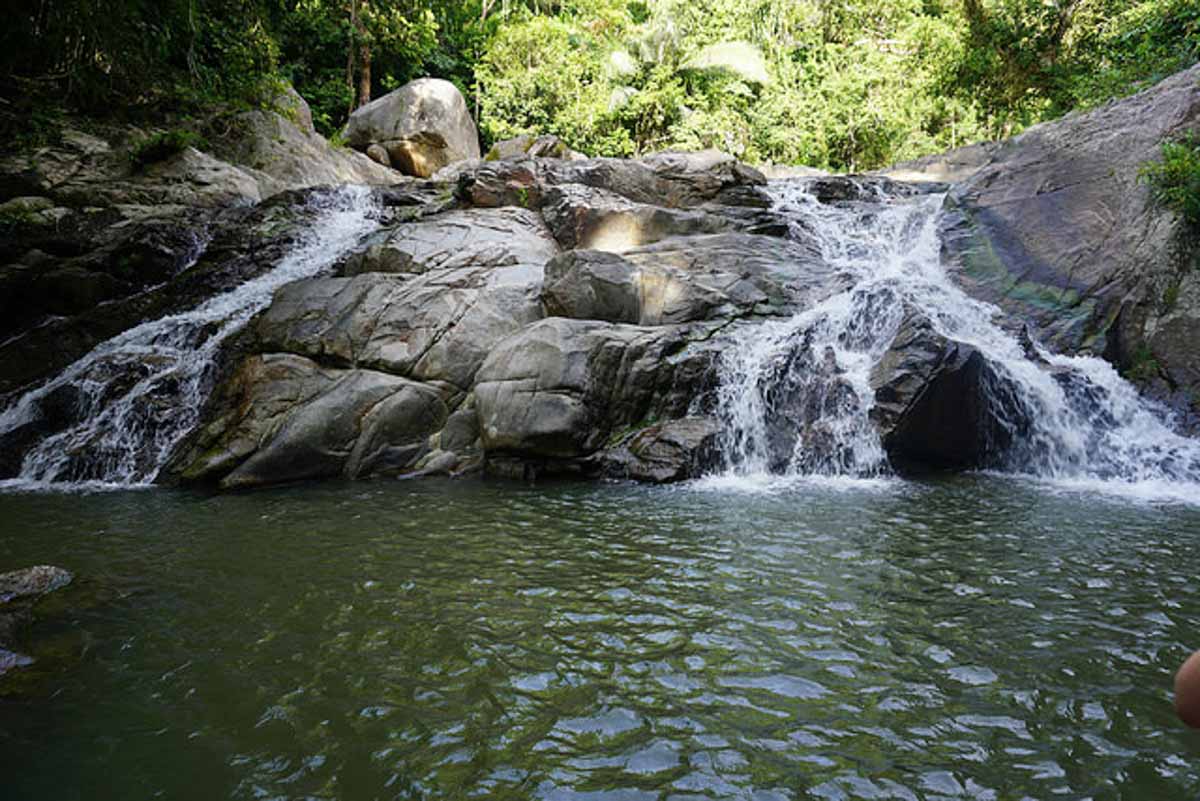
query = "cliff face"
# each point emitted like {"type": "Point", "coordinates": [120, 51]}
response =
{"type": "Point", "coordinates": [1057, 229]}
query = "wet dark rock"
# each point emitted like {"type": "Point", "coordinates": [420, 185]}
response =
{"type": "Point", "coordinates": [670, 180]}
{"type": "Point", "coordinates": [941, 404]}
{"type": "Point", "coordinates": [866, 188]}
{"type": "Point", "coordinates": [245, 242]}
{"type": "Point", "coordinates": [560, 388]}
{"type": "Point", "coordinates": [19, 592]}
{"type": "Point", "coordinates": [284, 418]}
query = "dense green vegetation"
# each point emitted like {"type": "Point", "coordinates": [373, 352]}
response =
{"type": "Point", "coordinates": [160, 146]}
{"type": "Point", "coordinates": [1175, 180]}
{"type": "Point", "coordinates": [845, 85]}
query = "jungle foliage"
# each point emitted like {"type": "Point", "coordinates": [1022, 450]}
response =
{"type": "Point", "coordinates": [843, 85]}
{"type": "Point", "coordinates": [1175, 179]}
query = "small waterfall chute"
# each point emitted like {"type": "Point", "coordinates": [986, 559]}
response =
{"type": "Point", "coordinates": [115, 416]}
{"type": "Point", "coordinates": [798, 397]}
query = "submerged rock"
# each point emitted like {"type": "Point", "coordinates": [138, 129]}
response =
{"type": "Point", "coordinates": [19, 592]}
{"type": "Point", "coordinates": [32, 582]}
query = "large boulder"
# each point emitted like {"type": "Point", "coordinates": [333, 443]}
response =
{"type": "Point", "coordinates": [467, 238]}
{"type": "Point", "coordinates": [676, 450]}
{"type": "Point", "coordinates": [943, 404]}
{"type": "Point", "coordinates": [1059, 230]}
{"type": "Point", "coordinates": [669, 180]}
{"type": "Point", "coordinates": [559, 389]}
{"type": "Point", "coordinates": [588, 217]}
{"type": "Point", "coordinates": [424, 126]}
{"type": "Point", "coordinates": [438, 326]}
{"type": "Point", "coordinates": [685, 279]}
{"type": "Point", "coordinates": [288, 419]}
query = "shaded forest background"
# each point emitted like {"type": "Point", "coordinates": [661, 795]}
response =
{"type": "Point", "coordinates": [838, 85]}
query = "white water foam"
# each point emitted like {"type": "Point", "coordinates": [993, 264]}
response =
{"type": "Point", "coordinates": [137, 395]}
{"type": "Point", "coordinates": [1083, 426]}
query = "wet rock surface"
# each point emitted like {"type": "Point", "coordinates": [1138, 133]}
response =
{"type": "Point", "coordinates": [92, 242]}
{"type": "Point", "coordinates": [940, 404]}
{"type": "Point", "coordinates": [19, 592]}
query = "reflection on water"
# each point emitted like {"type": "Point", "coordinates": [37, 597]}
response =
{"type": "Point", "coordinates": [977, 638]}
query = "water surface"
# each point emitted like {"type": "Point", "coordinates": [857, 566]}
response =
{"type": "Point", "coordinates": [970, 638]}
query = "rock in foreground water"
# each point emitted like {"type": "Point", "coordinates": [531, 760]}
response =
{"type": "Point", "coordinates": [19, 592]}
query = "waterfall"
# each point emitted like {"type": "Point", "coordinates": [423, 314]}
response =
{"type": "Point", "coordinates": [134, 397]}
{"type": "Point", "coordinates": [795, 396]}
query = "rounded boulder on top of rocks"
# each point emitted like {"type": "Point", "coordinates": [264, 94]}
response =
{"type": "Point", "coordinates": [423, 126]}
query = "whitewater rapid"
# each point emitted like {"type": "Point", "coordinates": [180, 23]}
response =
{"type": "Point", "coordinates": [137, 395]}
{"type": "Point", "coordinates": [1083, 427]}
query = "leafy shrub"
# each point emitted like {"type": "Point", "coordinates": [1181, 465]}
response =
{"type": "Point", "coordinates": [1175, 180]}
{"type": "Point", "coordinates": [161, 146]}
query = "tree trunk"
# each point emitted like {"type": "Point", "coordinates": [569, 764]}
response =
{"type": "Point", "coordinates": [351, 50]}
{"type": "Point", "coordinates": [364, 74]}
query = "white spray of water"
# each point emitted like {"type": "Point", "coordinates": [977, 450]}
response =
{"type": "Point", "coordinates": [137, 395]}
{"type": "Point", "coordinates": [807, 379]}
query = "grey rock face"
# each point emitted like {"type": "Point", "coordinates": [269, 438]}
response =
{"type": "Point", "coordinates": [598, 219]}
{"type": "Point", "coordinates": [688, 279]}
{"type": "Point", "coordinates": [1059, 232]}
{"type": "Point", "coordinates": [676, 450]}
{"type": "Point", "coordinates": [438, 327]}
{"type": "Point", "coordinates": [669, 180]}
{"type": "Point", "coordinates": [280, 155]}
{"type": "Point", "coordinates": [453, 300]}
{"type": "Point", "coordinates": [424, 126]}
{"type": "Point", "coordinates": [288, 419]}
{"type": "Point", "coordinates": [468, 238]}
{"type": "Point", "coordinates": [560, 388]}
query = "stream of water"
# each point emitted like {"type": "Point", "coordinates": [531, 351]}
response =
{"type": "Point", "coordinates": [135, 396]}
{"type": "Point", "coordinates": [1073, 420]}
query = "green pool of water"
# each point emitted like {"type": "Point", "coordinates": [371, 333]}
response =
{"type": "Point", "coordinates": [976, 638]}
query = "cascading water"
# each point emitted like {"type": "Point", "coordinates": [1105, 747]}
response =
{"type": "Point", "coordinates": [134, 397]}
{"type": "Point", "coordinates": [796, 395]}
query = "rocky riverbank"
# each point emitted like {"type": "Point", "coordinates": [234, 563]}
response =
{"type": "Point", "coordinates": [529, 316]}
